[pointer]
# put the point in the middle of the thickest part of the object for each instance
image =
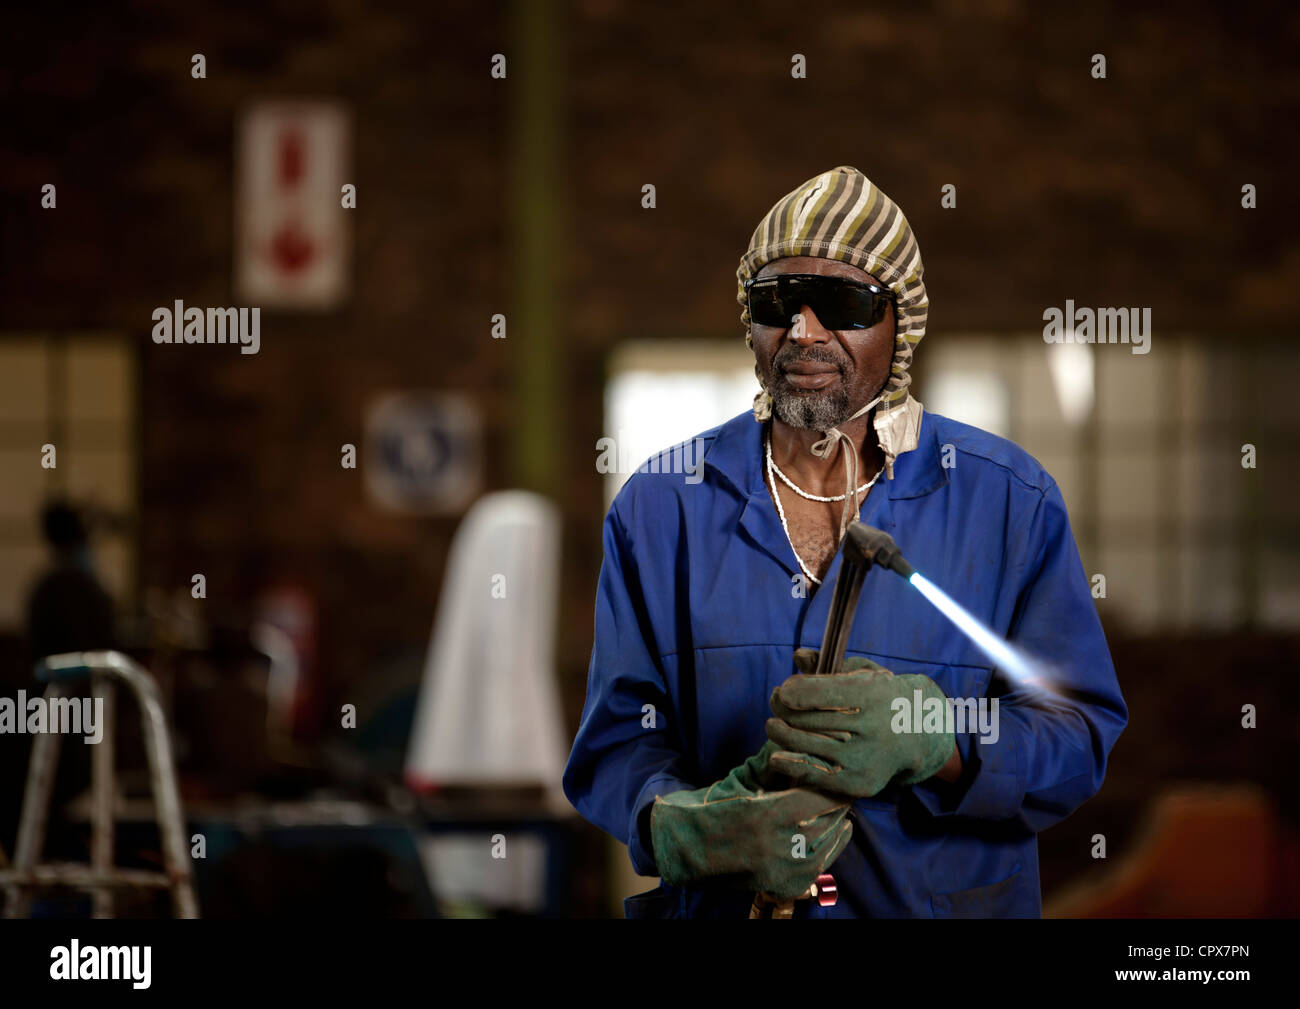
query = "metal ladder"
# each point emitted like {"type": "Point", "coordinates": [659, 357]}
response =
{"type": "Point", "coordinates": [100, 878]}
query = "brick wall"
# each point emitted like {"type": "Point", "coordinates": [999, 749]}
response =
{"type": "Point", "coordinates": [1122, 191]}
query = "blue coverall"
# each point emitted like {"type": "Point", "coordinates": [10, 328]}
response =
{"type": "Point", "coordinates": [698, 612]}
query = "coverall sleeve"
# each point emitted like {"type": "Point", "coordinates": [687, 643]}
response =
{"type": "Point", "coordinates": [1050, 754]}
{"type": "Point", "coordinates": [624, 755]}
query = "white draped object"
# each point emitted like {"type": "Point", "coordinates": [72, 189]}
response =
{"type": "Point", "coordinates": [489, 709]}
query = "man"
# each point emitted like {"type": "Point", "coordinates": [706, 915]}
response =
{"type": "Point", "coordinates": [68, 609]}
{"type": "Point", "coordinates": [713, 592]}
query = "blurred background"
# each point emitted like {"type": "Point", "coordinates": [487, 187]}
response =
{"type": "Point", "coordinates": [440, 214]}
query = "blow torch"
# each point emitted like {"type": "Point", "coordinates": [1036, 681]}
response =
{"type": "Point", "coordinates": [863, 546]}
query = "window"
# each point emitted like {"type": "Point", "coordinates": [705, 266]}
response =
{"type": "Point", "coordinates": [77, 393]}
{"type": "Point", "coordinates": [661, 393]}
{"type": "Point", "coordinates": [1148, 450]}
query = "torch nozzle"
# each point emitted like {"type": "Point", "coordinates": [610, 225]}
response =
{"type": "Point", "coordinates": [878, 547]}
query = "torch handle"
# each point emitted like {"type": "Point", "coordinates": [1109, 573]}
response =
{"type": "Point", "coordinates": [855, 562]}
{"type": "Point", "coordinates": [844, 603]}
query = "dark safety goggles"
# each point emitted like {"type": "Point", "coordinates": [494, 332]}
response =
{"type": "Point", "coordinates": [837, 303]}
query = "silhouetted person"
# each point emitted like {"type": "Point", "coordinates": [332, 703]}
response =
{"type": "Point", "coordinates": [68, 610]}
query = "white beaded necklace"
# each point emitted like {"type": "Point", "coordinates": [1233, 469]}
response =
{"type": "Point", "coordinates": [773, 468]}
{"type": "Point", "coordinates": [803, 493]}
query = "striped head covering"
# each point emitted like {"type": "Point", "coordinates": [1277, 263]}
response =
{"type": "Point", "coordinates": [841, 215]}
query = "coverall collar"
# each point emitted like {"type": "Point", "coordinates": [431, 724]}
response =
{"type": "Point", "coordinates": [737, 456]}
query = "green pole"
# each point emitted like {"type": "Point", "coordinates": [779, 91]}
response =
{"type": "Point", "coordinates": [1250, 555]}
{"type": "Point", "coordinates": [533, 77]}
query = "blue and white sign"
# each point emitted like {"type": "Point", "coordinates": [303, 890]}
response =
{"type": "Point", "coordinates": [423, 452]}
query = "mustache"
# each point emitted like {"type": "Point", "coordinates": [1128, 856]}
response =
{"type": "Point", "coordinates": [790, 354]}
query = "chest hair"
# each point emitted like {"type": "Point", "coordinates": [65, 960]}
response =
{"type": "Point", "coordinates": [814, 529]}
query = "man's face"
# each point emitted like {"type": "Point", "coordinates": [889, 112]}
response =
{"type": "Point", "coordinates": [818, 377]}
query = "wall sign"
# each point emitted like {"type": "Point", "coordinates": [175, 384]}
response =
{"type": "Point", "coordinates": [423, 452]}
{"type": "Point", "coordinates": [293, 232]}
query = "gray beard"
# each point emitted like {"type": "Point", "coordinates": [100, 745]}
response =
{"type": "Point", "coordinates": [814, 413]}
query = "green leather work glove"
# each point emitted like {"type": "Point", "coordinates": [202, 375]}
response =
{"type": "Point", "coordinates": [836, 732]}
{"type": "Point", "coordinates": [736, 828]}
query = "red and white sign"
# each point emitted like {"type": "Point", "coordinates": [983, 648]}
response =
{"type": "Point", "coordinates": [293, 230]}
